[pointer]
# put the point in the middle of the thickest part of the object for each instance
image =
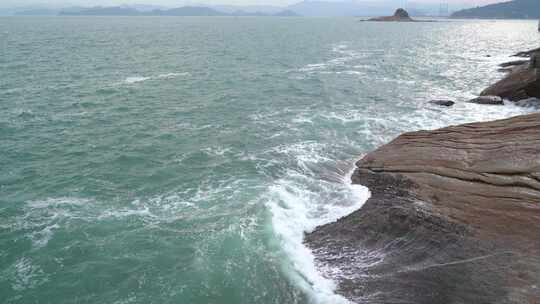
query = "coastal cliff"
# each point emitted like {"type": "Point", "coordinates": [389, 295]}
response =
{"type": "Point", "coordinates": [454, 217]}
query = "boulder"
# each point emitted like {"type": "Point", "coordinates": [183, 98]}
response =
{"type": "Point", "coordinates": [442, 102]}
{"type": "Point", "coordinates": [453, 217]}
{"type": "Point", "coordinates": [487, 100]}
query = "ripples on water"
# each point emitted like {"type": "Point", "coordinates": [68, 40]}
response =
{"type": "Point", "coordinates": [180, 160]}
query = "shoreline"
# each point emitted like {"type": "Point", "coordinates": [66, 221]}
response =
{"type": "Point", "coordinates": [448, 208]}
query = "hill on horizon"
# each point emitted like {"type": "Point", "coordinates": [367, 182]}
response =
{"type": "Point", "coordinates": [516, 9]}
{"type": "Point", "coordinates": [315, 8]}
{"type": "Point", "coordinates": [180, 11]}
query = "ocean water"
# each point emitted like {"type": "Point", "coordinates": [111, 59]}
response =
{"type": "Point", "coordinates": [181, 160]}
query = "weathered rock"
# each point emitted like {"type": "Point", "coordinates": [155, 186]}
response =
{"type": "Point", "coordinates": [400, 15]}
{"type": "Point", "coordinates": [487, 100]}
{"type": "Point", "coordinates": [442, 102]}
{"type": "Point", "coordinates": [454, 217]}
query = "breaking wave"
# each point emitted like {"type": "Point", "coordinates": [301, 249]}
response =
{"type": "Point", "coordinates": [137, 79]}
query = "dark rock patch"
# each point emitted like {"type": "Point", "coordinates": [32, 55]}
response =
{"type": "Point", "coordinates": [442, 102]}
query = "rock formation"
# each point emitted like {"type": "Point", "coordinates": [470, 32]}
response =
{"type": "Point", "coordinates": [400, 15]}
{"type": "Point", "coordinates": [454, 217]}
{"type": "Point", "coordinates": [522, 82]}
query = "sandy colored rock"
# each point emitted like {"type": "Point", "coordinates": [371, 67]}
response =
{"type": "Point", "coordinates": [454, 217]}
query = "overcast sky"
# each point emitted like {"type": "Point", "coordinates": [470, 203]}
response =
{"type": "Point", "coordinates": [176, 3]}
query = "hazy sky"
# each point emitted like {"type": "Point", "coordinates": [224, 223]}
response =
{"type": "Point", "coordinates": [176, 3]}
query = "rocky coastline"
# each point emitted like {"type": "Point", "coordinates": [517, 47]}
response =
{"type": "Point", "coordinates": [454, 215]}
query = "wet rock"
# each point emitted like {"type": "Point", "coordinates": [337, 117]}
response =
{"type": "Point", "coordinates": [487, 100]}
{"type": "Point", "coordinates": [453, 218]}
{"type": "Point", "coordinates": [529, 103]}
{"type": "Point", "coordinates": [442, 102]}
{"type": "Point", "coordinates": [513, 63]}
{"type": "Point", "coordinates": [512, 66]}
{"type": "Point", "coordinates": [526, 53]}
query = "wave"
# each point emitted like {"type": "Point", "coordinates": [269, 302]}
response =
{"type": "Point", "coordinates": [298, 204]}
{"type": "Point", "coordinates": [337, 65]}
{"type": "Point", "coordinates": [42, 218]}
{"type": "Point", "coordinates": [136, 79]}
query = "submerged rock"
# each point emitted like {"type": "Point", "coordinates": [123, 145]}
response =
{"type": "Point", "coordinates": [487, 100]}
{"type": "Point", "coordinates": [442, 102]}
{"type": "Point", "coordinates": [400, 15]}
{"type": "Point", "coordinates": [453, 218]}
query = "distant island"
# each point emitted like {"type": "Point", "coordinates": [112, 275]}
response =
{"type": "Point", "coordinates": [516, 9]}
{"type": "Point", "coordinates": [400, 15]}
{"type": "Point", "coordinates": [181, 11]}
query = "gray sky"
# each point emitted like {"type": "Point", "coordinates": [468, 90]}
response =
{"type": "Point", "coordinates": [176, 3]}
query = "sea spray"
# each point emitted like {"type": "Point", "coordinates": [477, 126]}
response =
{"type": "Point", "coordinates": [297, 208]}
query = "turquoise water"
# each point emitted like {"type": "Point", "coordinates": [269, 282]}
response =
{"type": "Point", "coordinates": [180, 160]}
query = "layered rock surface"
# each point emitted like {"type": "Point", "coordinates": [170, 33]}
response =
{"type": "Point", "coordinates": [454, 217]}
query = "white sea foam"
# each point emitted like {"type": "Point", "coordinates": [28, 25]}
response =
{"type": "Point", "coordinates": [299, 203]}
{"type": "Point", "coordinates": [56, 202]}
{"type": "Point", "coordinates": [136, 79]}
{"type": "Point", "coordinates": [42, 218]}
{"type": "Point", "coordinates": [171, 75]}
{"type": "Point", "coordinates": [27, 275]}
{"type": "Point", "coordinates": [337, 64]}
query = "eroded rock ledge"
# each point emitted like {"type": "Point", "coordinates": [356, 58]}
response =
{"type": "Point", "coordinates": [454, 217]}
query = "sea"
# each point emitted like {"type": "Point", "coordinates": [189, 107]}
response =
{"type": "Point", "coordinates": [182, 159]}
